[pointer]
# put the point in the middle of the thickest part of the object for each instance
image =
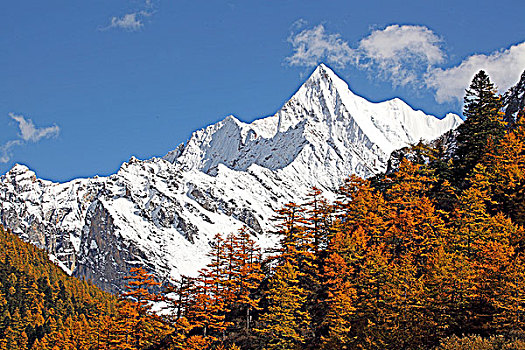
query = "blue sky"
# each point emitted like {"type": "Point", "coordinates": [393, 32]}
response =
{"type": "Point", "coordinates": [84, 85]}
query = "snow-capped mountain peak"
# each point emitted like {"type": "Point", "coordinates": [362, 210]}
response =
{"type": "Point", "coordinates": [161, 213]}
{"type": "Point", "coordinates": [324, 111]}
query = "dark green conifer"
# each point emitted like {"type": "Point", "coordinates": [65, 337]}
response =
{"type": "Point", "coordinates": [483, 125]}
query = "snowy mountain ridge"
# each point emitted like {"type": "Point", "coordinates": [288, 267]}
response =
{"type": "Point", "coordinates": [323, 109]}
{"type": "Point", "coordinates": [162, 212]}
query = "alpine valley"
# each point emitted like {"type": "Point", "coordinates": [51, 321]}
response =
{"type": "Point", "coordinates": [162, 213]}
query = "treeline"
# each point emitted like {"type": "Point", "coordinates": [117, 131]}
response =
{"type": "Point", "coordinates": [428, 256]}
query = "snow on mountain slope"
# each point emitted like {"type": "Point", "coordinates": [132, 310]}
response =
{"type": "Point", "coordinates": [161, 213]}
{"type": "Point", "coordinates": [325, 120]}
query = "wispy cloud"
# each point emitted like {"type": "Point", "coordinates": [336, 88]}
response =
{"type": "Point", "coordinates": [5, 150]}
{"type": "Point", "coordinates": [504, 68]}
{"type": "Point", "coordinates": [28, 132]}
{"type": "Point", "coordinates": [400, 54]}
{"type": "Point", "coordinates": [311, 46]}
{"type": "Point", "coordinates": [406, 55]}
{"type": "Point", "coordinates": [132, 21]}
{"type": "Point", "coordinates": [299, 24]}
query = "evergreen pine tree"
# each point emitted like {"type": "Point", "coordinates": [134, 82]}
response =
{"type": "Point", "coordinates": [483, 125]}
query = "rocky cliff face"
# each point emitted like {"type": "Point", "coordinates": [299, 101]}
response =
{"type": "Point", "coordinates": [161, 213]}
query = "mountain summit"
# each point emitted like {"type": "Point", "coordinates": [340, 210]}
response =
{"type": "Point", "coordinates": [161, 213]}
{"type": "Point", "coordinates": [324, 125]}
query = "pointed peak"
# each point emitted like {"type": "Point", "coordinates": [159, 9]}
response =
{"type": "Point", "coordinates": [325, 76]}
{"type": "Point", "coordinates": [20, 171]}
{"type": "Point", "coordinates": [323, 66]}
{"type": "Point", "coordinates": [324, 71]}
{"type": "Point", "coordinates": [19, 168]}
{"type": "Point", "coordinates": [231, 118]}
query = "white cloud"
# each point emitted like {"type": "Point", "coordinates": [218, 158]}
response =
{"type": "Point", "coordinates": [504, 68]}
{"type": "Point", "coordinates": [311, 46]}
{"type": "Point", "coordinates": [130, 22]}
{"type": "Point", "coordinates": [400, 54]}
{"type": "Point", "coordinates": [5, 150]}
{"type": "Point", "coordinates": [28, 133]}
{"type": "Point", "coordinates": [406, 55]}
{"type": "Point", "coordinates": [133, 21]}
{"type": "Point", "coordinates": [299, 24]}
